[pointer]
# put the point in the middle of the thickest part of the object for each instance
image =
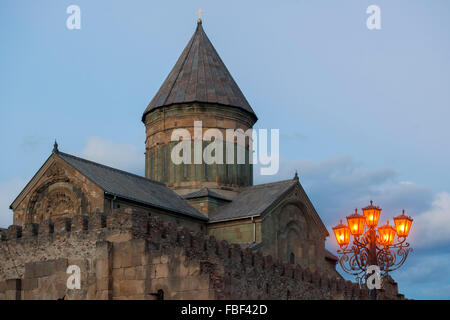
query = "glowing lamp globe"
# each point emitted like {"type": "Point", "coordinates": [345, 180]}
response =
{"type": "Point", "coordinates": [372, 214]}
{"type": "Point", "coordinates": [342, 234]}
{"type": "Point", "coordinates": [387, 234]}
{"type": "Point", "coordinates": [403, 224]}
{"type": "Point", "coordinates": [356, 223]}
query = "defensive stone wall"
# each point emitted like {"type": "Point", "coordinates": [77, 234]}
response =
{"type": "Point", "coordinates": [129, 255]}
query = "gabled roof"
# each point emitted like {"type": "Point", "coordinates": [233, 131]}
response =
{"type": "Point", "coordinates": [205, 192]}
{"type": "Point", "coordinates": [199, 75]}
{"type": "Point", "coordinates": [131, 187]}
{"type": "Point", "coordinates": [256, 200]}
{"type": "Point", "coordinates": [253, 201]}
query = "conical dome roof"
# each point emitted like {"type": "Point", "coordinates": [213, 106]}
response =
{"type": "Point", "coordinates": [199, 76]}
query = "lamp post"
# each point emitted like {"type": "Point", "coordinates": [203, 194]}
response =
{"type": "Point", "coordinates": [372, 245]}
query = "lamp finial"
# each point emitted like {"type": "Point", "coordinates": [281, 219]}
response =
{"type": "Point", "coordinates": [55, 147]}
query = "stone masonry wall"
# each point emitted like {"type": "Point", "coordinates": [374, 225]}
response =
{"type": "Point", "coordinates": [162, 122]}
{"type": "Point", "coordinates": [128, 255]}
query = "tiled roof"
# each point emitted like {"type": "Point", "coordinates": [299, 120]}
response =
{"type": "Point", "coordinates": [199, 75]}
{"type": "Point", "coordinates": [253, 201]}
{"type": "Point", "coordinates": [131, 187]}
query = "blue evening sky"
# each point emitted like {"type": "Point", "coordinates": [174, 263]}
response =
{"type": "Point", "coordinates": [362, 114]}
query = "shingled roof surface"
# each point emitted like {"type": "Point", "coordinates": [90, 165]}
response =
{"type": "Point", "coordinates": [132, 187]}
{"type": "Point", "coordinates": [199, 75]}
{"type": "Point", "coordinates": [253, 201]}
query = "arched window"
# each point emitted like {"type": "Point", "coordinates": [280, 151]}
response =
{"type": "Point", "coordinates": [292, 258]}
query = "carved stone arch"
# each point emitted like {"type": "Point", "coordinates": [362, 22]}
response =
{"type": "Point", "coordinates": [298, 233]}
{"type": "Point", "coordinates": [293, 232]}
{"type": "Point", "coordinates": [311, 248]}
{"type": "Point", "coordinates": [314, 233]}
{"type": "Point", "coordinates": [293, 210]}
{"type": "Point", "coordinates": [56, 197]}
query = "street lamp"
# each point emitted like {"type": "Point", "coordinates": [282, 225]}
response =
{"type": "Point", "coordinates": [372, 245]}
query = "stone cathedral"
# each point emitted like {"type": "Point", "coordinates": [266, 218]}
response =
{"type": "Point", "coordinates": [187, 231]}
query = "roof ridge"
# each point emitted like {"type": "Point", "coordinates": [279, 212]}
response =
{"type": "Point", "coordinates": [110, 168]}
{"type": "Point", "coordinates": [212, 192]}
{"type": "Point", "coordinates": [269, 184]}
{"type": "Point", "coordinates": [208, 191]}
{"type": "Point", "coordinates": [182, 64]}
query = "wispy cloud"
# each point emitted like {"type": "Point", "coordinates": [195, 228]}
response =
{"type": "Point", "coordinates": [425, 276]}
{"type": "Point", "coordinates": [432, 227]}
{"type": "Point", "coordinates": [120, 156]}
{"type": "Point", "coordinates": [339, 184]}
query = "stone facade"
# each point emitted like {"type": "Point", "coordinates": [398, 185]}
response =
{"type": "Point", "coordinates": [57, 191]}
{"type": "Point", "coordinates": [128, 255]}
{"type": "Point", "coordinates": [243, 231]}
{"type": "Point", "coordinates": [60, 197]}
{"type": "Point", "coordinates": [290, 233]}
{"type": "Point", "coordinates": [289, 230]}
